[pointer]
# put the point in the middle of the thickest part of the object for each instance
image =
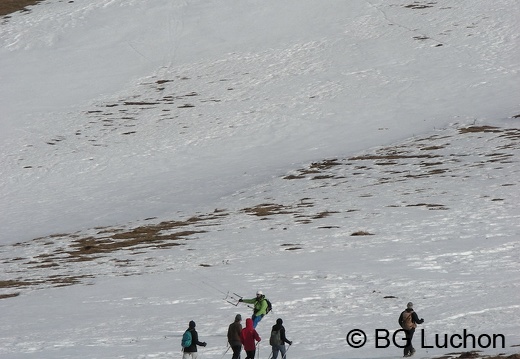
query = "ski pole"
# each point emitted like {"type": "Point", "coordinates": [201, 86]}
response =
{"type": "Point", "coordinates": [283, 356]}
{"type": "Point", "coordinates": [223, 355]}
{"type": "Point", "coordinates": [258, 349]}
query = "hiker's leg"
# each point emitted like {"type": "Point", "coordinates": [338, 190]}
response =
{"type": "Point", "coordinates": [275, 351]}
{"type": "Point", "coordinates": [256, 320]}
{"type": "Point", "coordinates": [236, 351]}
{"type": "Point", "coordinates": [282, 350]}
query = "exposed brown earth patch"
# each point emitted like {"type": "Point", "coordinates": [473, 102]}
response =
{"type": "Point", "coordinates": [10, 6]}
{"type": "Point", "coordinates": [418, 5]}
{"type": "Point", "coordinates": [361, 233]}
{"type": "Point", "coordinates": [73, 248]}
{"type": "Point", "coordinates": [11, 295]}
{"type": "Point", "coordinates": [473, 129]}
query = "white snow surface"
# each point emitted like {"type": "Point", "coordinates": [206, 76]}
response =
{"type": "Point", "coordinates": [334, 117]}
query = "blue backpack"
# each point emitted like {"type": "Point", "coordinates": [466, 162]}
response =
{"type": "Point", "coordinates": [186, 339]}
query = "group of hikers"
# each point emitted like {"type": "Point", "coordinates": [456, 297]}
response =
{"type": "Point", "coordinates": [239, 337]}
{"type": "Point", "coordinates": [248, 337]}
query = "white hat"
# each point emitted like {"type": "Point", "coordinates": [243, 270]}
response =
{"type": "Point", "coordinates": [259, 293]}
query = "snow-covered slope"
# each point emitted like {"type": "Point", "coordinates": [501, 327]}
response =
{"type": "Point", "coordinates": [89, 124]}
{"type": "Point", "coordinates": [165, 152]}
{"type": "Point", "coordinates": [339, 244]}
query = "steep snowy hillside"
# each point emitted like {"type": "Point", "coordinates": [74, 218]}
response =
{"type": "Point", "coordinates": [345, 158]}
{"type": "Point", "coordinates": [118, 110]}
{"type": "Point", "coordinates": [339, 244]}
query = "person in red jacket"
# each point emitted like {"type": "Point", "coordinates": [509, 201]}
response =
{"type": "Point", "coordinates": [249, 336]}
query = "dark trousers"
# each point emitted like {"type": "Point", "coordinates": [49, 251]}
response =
{"type": "Point", "coordinates": [250, 354]}
{"type": "Point", "coordinates": [236, 351]}
{"type": "Point", "coordinates": [408, 349]}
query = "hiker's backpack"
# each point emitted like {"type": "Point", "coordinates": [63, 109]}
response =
{"type": "Point", "coordinates": [275, 338]}
{"type": "Point", "coordinates": [407, 320]}
{"type": "Point", "coordinates": [269, 306]}
{"type": "Point", "coordinates": [186, 339]}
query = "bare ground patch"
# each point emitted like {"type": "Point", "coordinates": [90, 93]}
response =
{"type": "Point", "coordinates": [476, 129]}
{"type": "Point", "coordinates": [10, 295]}
{"type": "Point", "coordinates": [419, 159]}
{"type": "Point", "coordinates": [416, 5]}
{"type": "Point", "coordinates": [268, 209]}
{"type": "Point", "coordinates": [10, 6]}
{"type": "Point", "coordinates": [361, 233]}
{"type": "Point", "coordinates": [55, 267]}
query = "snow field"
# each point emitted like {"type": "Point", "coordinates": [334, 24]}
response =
{"type": "Point", "coordinates": [447, 254]}
{"type": "Point", "coordinates": [317, 89]}
{"type": "Point", "coordinates": [156, 154]}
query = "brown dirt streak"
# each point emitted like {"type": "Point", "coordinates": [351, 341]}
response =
{"type": "Point", "coordinates": [10, 6]}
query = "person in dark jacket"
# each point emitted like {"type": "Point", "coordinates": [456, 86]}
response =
{"type": "Point", "coordinates": [233, 336]}
{"type": "Point", "coordinates": [278, 339]}
{"type": "Point", "coordinates": [408, 320]}
{"type": "Point", "coordinates": [191, 351]}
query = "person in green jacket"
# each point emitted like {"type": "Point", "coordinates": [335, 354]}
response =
{"type": "Point", "coordinates": [259, 309]}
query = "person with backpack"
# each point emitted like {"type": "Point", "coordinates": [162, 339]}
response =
{"type": "Point", "coordinates": [190, 340]}
{"type": "Point", "coordinates": [261, 307]}
{"type": "Point", "coordinates": [408, 320]}
{"type": "Point", "coordinates": [278, 339]}
{"type": "Point", "coordinates": [249, 338]}
{"type": "Point", "coordinates": [233, 335]}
